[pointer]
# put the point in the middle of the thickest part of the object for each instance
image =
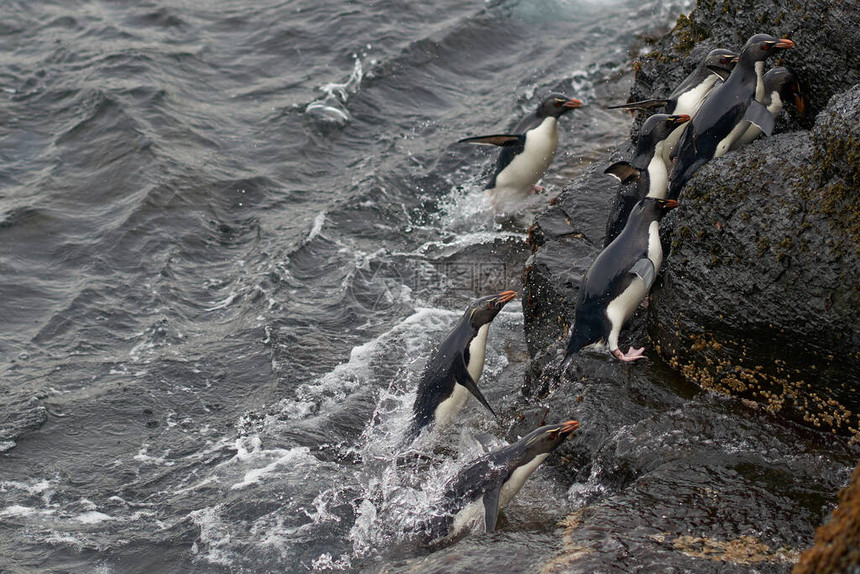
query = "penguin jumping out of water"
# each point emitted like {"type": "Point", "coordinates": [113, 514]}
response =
{"type": "Point", "coordinates": [727, 112]}
{"type": "Point", "coordinates": [646, 169]}
{"type": "Point", "coordinates": [453, 370]}
{"type": "Point", "coordinates": [526, 153]}
{"type": "Point", "coordinates": [618, 280]}
{"type": "Point", "coordinates": [780, 86]}
{"type": "Point", "coordinates": [482, 489]}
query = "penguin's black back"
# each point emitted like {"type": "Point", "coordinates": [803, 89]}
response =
{"type": "Point", "coordinates": [484, 474]}
{"type": "Point", "coordinates": [721, 111]}
{"type": "Point", "coordinates": [608, 276]}
{"type": "Point", "coordinates": [508, 153]}
{"type": "Point", "coordinates": [437, 379]}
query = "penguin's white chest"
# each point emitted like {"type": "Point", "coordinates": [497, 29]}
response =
{"type": "Point", "coordinates": [655, 249]}
{"type": "Point", "coordinates": [753, 131]}
{"type": "Point", "coordinates": [477, 353]}
{"type": "Point", "coordinates": [518, 478]}
{"type": "Point", "coordinates": [728, 142]}
{"type": "Point", "coordinates": [529, 166]}
{"type": "Point", "coordinates": [451, 406]}
{"type": "Point", "coordinates": [469, 517]}
{"type": "Point", "coordinates": [690, 102]}
{"type": "Point", "coordinates": [738, 133]}
{"type": "Point", "coordinates": [759, 83]}
{"type": "Point", "coordinates": [474, 513]}
{"type": "Point", "coordinates": [667, 145]}
{"type": "Point", "coordinates": [658, 174]}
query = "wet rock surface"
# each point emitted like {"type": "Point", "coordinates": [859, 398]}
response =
{"type": "Point", "coordinates": [757, 300]}
{"type": "Point", "coordinates": [759, 297]}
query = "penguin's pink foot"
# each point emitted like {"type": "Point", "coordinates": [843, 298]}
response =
{"type": "Point", "coordinates": [644, 303]}
{"type": "Point", "coordinates": [631, 355]}
{"type": "Point", "coordinates": [537, 188]}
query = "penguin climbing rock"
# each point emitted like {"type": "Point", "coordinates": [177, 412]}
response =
{"type": "Point", "coordinates": [727, 112]}
{"type": "Point", "coordinates": [780, 86]}
{"type": "Point", "coordinates": [526, 153]}
{"type": "Point", "coordinates": [646, 169]}
{"type": "Point", "coordinates": [474, 497]}
{"type": "Point", "coordinates": [453, 370]}
{"type": "Point", "coordinates": [688, 96]}
{"type": "Point", "coordinates": [618, 280]}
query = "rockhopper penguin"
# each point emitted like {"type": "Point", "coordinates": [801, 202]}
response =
{"type": "Point", "coordinates": [646, 169]}
{"type": "Point", "coordinates": [526, 153]}
{"type": "Point", "coordinates": [478, 492]}
{"type": "Point", "coordinates": [688, 96]}
{"type": "Point", "coordinates": [618, 280]}
{"type": "Point", "coordinates": [727, 112]}
{"type": "Point", "coordinates": [780, 86]}
{"type": "Point", "coordinates": [454, 367]}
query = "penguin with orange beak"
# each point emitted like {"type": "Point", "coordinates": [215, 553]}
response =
{"type": "Point", "coordinates": [618, 280]}
{"type": "Point", "coordinates": [452, 372]}
{"type": "Point", "coordinates": [727, 112]}
{"type": "Point", "coordinates": [780, 87]}
{"type": "Point", "coordinates": [526, 153]}
{"type": "Point", "coordinates": [474, 497]}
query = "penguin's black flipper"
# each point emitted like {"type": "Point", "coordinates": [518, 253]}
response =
{"type": "Point", "coordinates": [644, 269]}
{"type": "Point", "coordinates": [491, 507]}
{"type": "Point", "coordinates": [502, 140]}
{"type": "Point", "coordinates": [625, 172]}
{"type": "Point", "coordinates": [757, 114]}
{"type": "Point", "coordinates": [643, 105]}
{"type": "Point", "coordinates": [462, 376]}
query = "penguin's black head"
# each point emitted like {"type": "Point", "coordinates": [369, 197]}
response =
{"type": "Point", "coordinates": [783, 81]}
{"type": "Point", "coordinates": [554, 105]}
{"type": "Point", "coordinates": [721, 62]}
{"type": "Point", "coordinates": [485, 309]}
{"type": "Point", "coordinates": [545, 439]}
{"type": "Point", "coordinates": [658, 127]}
{"type": "Point", "coordinates": [653, 209]}
{"type": "Point", "coordinates": [761, 46]}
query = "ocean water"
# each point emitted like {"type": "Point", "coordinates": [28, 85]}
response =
{"type": "Point", "coordinates": [230, 233]}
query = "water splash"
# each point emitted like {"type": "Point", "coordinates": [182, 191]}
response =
{"type": "Point", "coordinates": [331, 107]}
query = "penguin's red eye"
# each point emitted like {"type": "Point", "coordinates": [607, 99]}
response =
{"type": "Point", "coordinates": [552, 435]}
{"type": "Point", "coordinates": [765, 46]}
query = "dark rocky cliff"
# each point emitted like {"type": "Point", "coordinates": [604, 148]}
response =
{"type": "Point", "coordinates": [758, 295]}
{"type": "Point", "coordinates": [758, 299]}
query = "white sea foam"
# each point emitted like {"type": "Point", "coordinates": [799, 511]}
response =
{"type": "Point", "coordinates": [281, 458]}
{"type": "Point", "coordinates": [326, 562]}
{"type": "Point", "coordinates": [404, 340]}
{"type": "Point", "coordinates": [214, 533]}
{"type": "Point", "coordinates": [143, 456]}
{"type": "Point", "coordinates": [17, 510]}
{"type": "Point", "coordinates": [93, 517]}
{"type": "Point", "coordinates": [319, 221]}
{"type": "Point", "coordinates": [226, 302]}
{"type": "Point", "coordinates": [331, 107]}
